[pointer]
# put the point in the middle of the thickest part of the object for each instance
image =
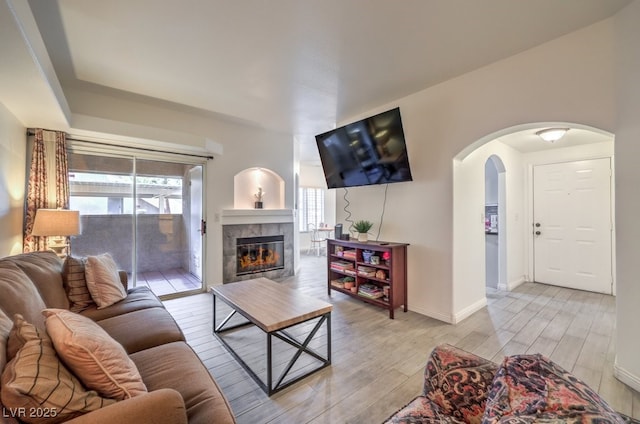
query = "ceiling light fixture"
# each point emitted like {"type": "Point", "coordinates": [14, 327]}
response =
{"type": "Point", "coordinates": [552, 135]}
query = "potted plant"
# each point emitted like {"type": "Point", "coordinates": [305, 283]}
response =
{"type": "Point", "coordinates": [362, 227]}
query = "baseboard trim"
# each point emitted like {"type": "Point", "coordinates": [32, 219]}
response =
{"type": "Point", "coordinates": [626, 377]}
{"type": "Point", "coordinates": [436, 315]}
{"type": "Point", "coordinates": [456, 317]}
{"type": "Point", "coordinates": [512, 285]}
{"type": "Point", "coordinates": [469, 310]}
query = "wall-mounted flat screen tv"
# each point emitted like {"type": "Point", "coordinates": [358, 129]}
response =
{"type": "Point", "coordinates": [367, 152]}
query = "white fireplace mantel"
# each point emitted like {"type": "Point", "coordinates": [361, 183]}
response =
{"type": "Point", "coordinates": [256, 216]}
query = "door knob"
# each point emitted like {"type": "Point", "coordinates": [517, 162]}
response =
{"type": "Point", "coordinates": [537, 224]}
{"type": "Point", "coordinates": [538, 233]}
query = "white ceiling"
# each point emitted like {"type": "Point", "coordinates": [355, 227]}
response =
{"type": "Point", "coordinates": [296, 66]}
{"type": "Point", "coordinates": [527, 141]}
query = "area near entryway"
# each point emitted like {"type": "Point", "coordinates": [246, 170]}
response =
{"type": "Point", "coordinates": [520, 151]}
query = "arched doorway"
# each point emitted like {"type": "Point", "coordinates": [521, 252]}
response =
{"type": "Point", "coordinates": [495, 223]}
{"type": "Point", "coordinates": [520, 150]}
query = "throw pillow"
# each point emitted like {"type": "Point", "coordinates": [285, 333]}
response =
{"type": "Point", "coordinates": [37, 387]}
{"type": "Point", "coordinates": [5, 329]}
{"type": "Point", "coordinates": [103, 280]}
{"type": "Point", "coordinates": [21, 332]}
{"type": "Point", "coordinates": [530, 388]}
{"type": "Point", "coordinates": [75, 284]}
{"type": "Point", "coordinates": [99, 361]}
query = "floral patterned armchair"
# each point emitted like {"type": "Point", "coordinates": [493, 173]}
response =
{"type": "Point", "coordinates": [460, 387]}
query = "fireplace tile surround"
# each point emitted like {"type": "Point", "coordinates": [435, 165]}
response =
{"type": "Point", "coordinates": [245, 223]}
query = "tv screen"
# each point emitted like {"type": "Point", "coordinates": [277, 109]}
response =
{"type": "Point", "coordinates": [366, 152]}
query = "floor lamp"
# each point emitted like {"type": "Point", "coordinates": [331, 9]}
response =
{"type": "Point", "coordinates": [56, 225]}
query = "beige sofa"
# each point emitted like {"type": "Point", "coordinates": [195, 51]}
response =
{"type": "Point", "coordinates": [180, 388]}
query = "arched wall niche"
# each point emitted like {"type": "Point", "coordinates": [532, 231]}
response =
{"type": "Point", "coordinates": [247, 183]}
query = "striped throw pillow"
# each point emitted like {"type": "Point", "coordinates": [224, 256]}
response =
{"type": "Point", "coordinates": [19, 335]}
{"type": "Point", "coordinates": [37, 385]}
{"type": "Point", "coordinates": [75, 284]}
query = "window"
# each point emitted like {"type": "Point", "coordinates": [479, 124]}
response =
{"type": "Point", "coordinates": [311, 207]}
{"type": "Point", "coordinates": [102, 193]}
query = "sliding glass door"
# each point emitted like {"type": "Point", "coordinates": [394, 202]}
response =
{"type": "Point", "coordinates": [146, 213]}
{"type": "Point", "coordinates": [166, 234]}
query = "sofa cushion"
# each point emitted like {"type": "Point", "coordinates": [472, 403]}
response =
{"type": "Point", "coordinates": [138, 298]}
{"type": "Point", "coordinates": [19, 294]}
{"type": "Point", "coordinates": [139, 330]}
{"type": "Point", "coordinates": [97, 360]}
{"type": "Point", "coordinates": [458, 382]}
{"type": "Point", "coordinates": [419, 411]}
{"type": "Point", "coordinates": [176, 366]}
{"type": "Point", "coordinates": [45, 270]}
{"type": "Point", "coordinates": [533, 388]}
{"type": "Point", "coordinates": [37, 381]}
{"type": "Point", "coordinates": [75, 284]}
{"type": "Point", "coordinates": [103, 280]}
{"type": "Point", "coordinates": [163, 406]}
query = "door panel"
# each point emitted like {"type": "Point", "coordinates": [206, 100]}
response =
{"type": "Point", "coordinates": [195, 222]}
{"type": "Point", "coordinates": [572, 213]}
{"type": "Point", "coordinates": [163, 227]}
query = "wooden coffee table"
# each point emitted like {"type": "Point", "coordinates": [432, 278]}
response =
{"type": "Point", "coordinates": [273, 308]}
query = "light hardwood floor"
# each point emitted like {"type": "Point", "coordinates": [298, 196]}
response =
{"type": "Point", "coordinates": [378, 363]}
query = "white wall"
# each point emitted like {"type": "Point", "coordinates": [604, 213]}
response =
{"type": "Point", "coordinates": [469, 236]}
{"type": "Point", "coordinates": [491, 183]}
{"type": "Point", "coordinates": [575, 71]}
{"type": "Point", "coordinates": [627, 151]}
{"type": "Point", "coordinates": [13, 149]}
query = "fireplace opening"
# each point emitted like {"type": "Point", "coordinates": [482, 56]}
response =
{"type": "Point", "coordinates": [259, 254]}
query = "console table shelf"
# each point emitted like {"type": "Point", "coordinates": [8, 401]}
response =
{"type": "Point", "coordinates": [381, 281]}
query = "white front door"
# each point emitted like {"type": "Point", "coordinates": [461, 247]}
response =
{"type": "Point", "coordinates": [572, 225]}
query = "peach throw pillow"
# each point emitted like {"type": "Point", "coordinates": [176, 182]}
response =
{"type": "Point", "coordinates": [103, 280]}
{"type": "Point", "coordinates": [100, 362]}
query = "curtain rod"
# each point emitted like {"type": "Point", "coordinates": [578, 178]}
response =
{"type": "Point", "coordinates": [146, 149]}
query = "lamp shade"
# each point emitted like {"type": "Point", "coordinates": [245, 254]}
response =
{"type": "Point", "coordinates": [56, 222]}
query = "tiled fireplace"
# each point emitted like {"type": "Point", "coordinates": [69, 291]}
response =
{"type": "Point", "coordinates": [259, 254]}
{"type": "Point", "coordinates": [257, 243]}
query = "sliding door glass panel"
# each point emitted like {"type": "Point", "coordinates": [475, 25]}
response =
{"type": "Point", "coordinates": [166, 235]}
{"type": "Point", "coordinates": [101, 188]}
{"type": "Point", "coordinates": [196, 222]}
